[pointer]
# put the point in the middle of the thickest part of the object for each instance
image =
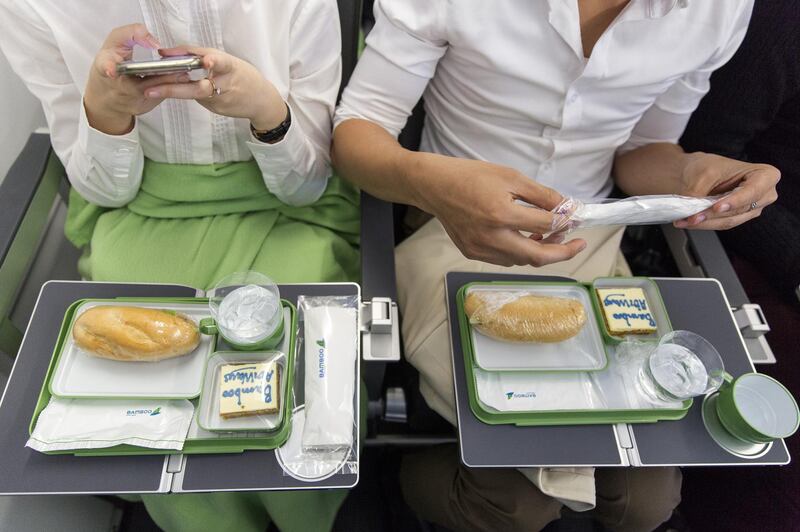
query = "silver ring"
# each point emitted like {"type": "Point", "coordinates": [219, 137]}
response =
{"type": "Point", "coordinates": [753, 205]}
{"type": "Point", "coordinates": [215, 91]}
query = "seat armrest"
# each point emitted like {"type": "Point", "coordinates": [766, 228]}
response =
{"type": "Point", "coordinates": [19, 187]}
{"type": "Point", "coordinates": [378, 288]}
{"type": "Point", "coordinates": [377, 249]}
{"type": "Point", "coordinates": [27, 195]}
{"type": "Point", "coordinates": [701, 254]}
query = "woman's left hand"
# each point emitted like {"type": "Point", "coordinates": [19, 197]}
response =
{"type": "Point", "coordinates": [748, 188]}
{"type": "Point", "coordinates": [233, 87]}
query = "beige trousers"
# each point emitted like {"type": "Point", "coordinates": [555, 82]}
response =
{"type": "Point", "coordinates": [422, 262]}
{"type": "Point", "coordinates": [442, 490]}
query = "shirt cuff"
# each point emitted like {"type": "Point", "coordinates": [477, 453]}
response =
{"type": "Point", "coordinates": [277, 160]}
{"type": "Point", "coordinates": [113, 152]}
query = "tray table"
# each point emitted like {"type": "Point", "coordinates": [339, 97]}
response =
{"type": "Point", "coordinates": [698, 305]}
{"type": "Point", "coordinates": [24, 471]}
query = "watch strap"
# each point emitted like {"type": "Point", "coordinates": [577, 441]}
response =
{"type": "Point", "coordinates": [275, 134]}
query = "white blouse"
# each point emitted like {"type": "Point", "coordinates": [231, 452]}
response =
{"type": "Point", "coordinates": [506, 81]}
{"type": "Point", "coordinates": [51, 45]}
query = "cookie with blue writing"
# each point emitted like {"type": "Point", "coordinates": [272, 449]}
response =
{"type": "Point", "coordinates": [626, 311]}
{"type": "Point", "coordinates": [250, 389]}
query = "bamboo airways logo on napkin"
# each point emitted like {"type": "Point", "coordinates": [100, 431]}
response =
{"type": "Point", "coordinates": [520, 395]}
{"type": "Point", "coordinates": [144, 412]}
{"type": "Point", "coordinates": [323, 354]}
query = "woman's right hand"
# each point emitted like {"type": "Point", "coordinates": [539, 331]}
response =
{"type": "Point", "coordinates": [112, 100]}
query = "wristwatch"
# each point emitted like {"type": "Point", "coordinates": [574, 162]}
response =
{"type": "Point", "coordinates": [275, 134]}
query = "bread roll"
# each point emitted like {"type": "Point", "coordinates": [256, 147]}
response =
{"type": "Point", "coordinates": [512, 317]}
{"type": "Point", "coordinates": [132, 334]}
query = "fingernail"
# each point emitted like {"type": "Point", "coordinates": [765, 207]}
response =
{"type": "Point", "coordinates": [183, 77]}
{"type": "Point", "coordinates": [700, 219]}
{"type": "Point", "coordinates": [725, 207]}
{"type": "Point", "coordinates": [681, 224]}
{"type": "Point", "coordinates": [153, 93]}
{"type": "Point", "coordinates": [582, 247]}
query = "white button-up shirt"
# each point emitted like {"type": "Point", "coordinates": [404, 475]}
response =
{"type": "Point", "coordinates": [295, 44]}
{"type": "Point", "coordinates": [506, 81]}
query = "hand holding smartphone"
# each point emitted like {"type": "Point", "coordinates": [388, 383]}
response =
{"type": "Point", "coordinates": [165, 65]}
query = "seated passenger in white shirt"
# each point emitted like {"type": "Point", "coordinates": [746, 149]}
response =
{"type": "Point", "coordinates": [183, 180]}
{"type": "Point", "coordinates": [531, 101]}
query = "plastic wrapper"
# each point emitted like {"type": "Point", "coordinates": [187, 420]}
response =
{"type": "Point", "coordinates": [73, 424]}
{"type": "Point", "coordinates": [572, 213]}
{"type": "Point", "coordinates": [324, 432]}
{"type": "Point", "coordinates": [523, 317]}
{"type": "Point", "coordinates": [246, 379]}
{"type": "Point", "coordinates": [615, 388]}
{"type": "Point", "coordinates": [135, 334]}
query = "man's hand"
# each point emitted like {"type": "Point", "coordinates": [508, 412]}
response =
{"type": "Point", "coordinates": [112, 100]}
{"type": "Point", "coordinates": [748, 188]}
{"type": "Point", "coordinates": [478, 205]}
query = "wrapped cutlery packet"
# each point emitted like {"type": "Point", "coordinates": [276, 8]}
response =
{"type": "Point", "coordinates": [572, 213]}
{"type": "Point", "coordinates": [329, 349]}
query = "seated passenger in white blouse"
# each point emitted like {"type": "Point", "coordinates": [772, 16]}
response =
{"type": "Point", "coordinates": [532, 101]}
{"type": "Point", "coordinates": [185, 179]}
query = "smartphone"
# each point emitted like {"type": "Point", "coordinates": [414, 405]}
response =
{"type": "Point", "coordinates": [165, 65]}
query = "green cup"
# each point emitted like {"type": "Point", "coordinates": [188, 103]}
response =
{"type": "Point", "coordinates": [756, 408]}
{"type": "Point", "coordinates": [272, 341]}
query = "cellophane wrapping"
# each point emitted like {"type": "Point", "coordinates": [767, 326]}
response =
{"type": "Point", "coordinates": [521, 316]}
{"type": "Point", "coordinates": [573, 213]}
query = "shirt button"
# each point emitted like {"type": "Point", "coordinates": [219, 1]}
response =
{"type": "Point", "coordinates": [124, 150]}
{"type": "Point", "coordinates": [572, 98]}
{"type": "Point", "coordinates": [546, 167]}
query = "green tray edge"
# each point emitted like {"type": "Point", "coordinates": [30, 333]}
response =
{"type": "Point", "coordinates": [197, 446]}
{"type": "Point", "coordinates": [555, 417]}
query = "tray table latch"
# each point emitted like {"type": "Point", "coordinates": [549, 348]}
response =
{"type": "Point", "coordinates": [750, 320]}
{"type": "Point", "coordinates": [380, 333]}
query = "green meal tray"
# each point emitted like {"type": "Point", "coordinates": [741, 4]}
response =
{"type": "Point", "coordinates": [550, 417]}
{"type": "Point", "coordinates": [235, 443]}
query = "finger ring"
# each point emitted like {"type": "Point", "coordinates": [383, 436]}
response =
{"type": "Point", "coordinates": [753, 205]}
{"type": "Point", "coordinates": [215, 91]}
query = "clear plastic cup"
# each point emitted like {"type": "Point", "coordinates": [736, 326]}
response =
{"type": "Point", "coordinates": [682, 366]}
{"type": "Point", "coordinates": [247, 310]}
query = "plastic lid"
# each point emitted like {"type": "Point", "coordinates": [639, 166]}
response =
{"type": "Point", "coordinates": [246, 306]}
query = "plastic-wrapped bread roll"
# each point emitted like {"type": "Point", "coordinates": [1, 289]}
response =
{"type": "Point", "coordinates": [133, 334]}
{"type": "Point", "coordinates": [521, 317]}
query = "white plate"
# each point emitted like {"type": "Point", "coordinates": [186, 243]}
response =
{"type": "Point", "coordinates": [79, 374]}
{"type": "Point", "coordinates": [582, 352]}
{"type": "Point", "coordinates": [208, 410]}
{"type": "Point", "coordinates": [307, 467]}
